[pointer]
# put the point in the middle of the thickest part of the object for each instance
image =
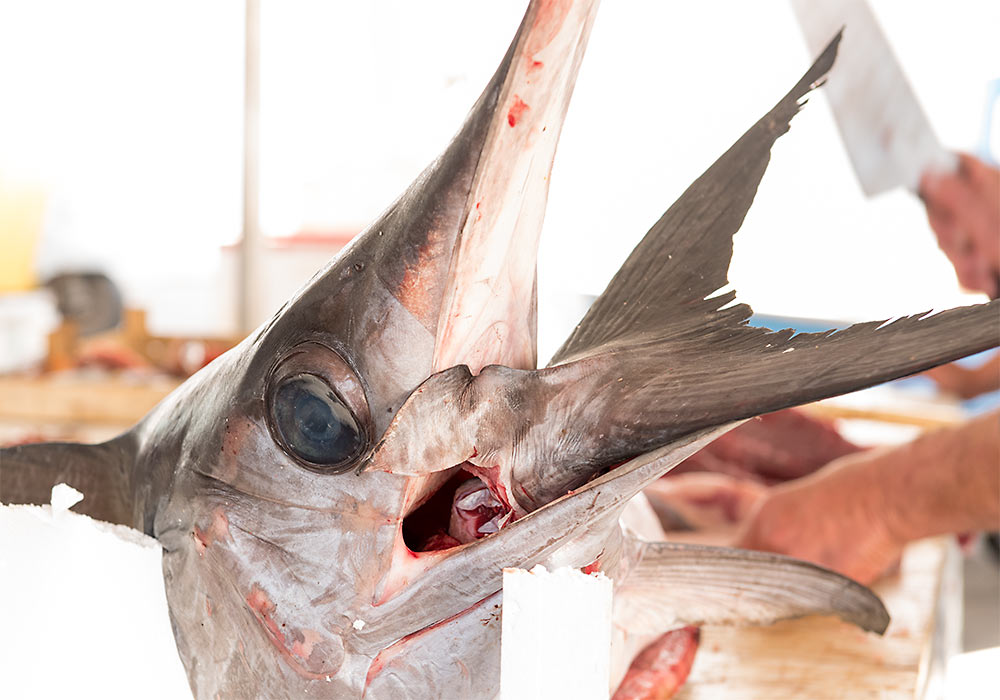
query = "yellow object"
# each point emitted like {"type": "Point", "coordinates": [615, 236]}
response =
{"type": "Point", "coordinates": [21, 209]}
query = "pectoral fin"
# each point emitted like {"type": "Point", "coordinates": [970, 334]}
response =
{"type": "Point", "coordinates": [679, 584]}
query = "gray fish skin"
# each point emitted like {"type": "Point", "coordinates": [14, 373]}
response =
{"type": "Point", "coordinates": [280, 579]}
{"type": "Point", "coordinates": [662, 337]}
{"type": "Point", "coordinates": [289, 579]}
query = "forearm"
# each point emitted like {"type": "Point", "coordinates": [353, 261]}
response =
{"type": "Point", "coordinates": [942, 482]}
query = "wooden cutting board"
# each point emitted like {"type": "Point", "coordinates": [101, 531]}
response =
{"type": "Point", "coordinates": [822, 657]}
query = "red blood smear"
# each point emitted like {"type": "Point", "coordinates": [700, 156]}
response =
{"type": "Point", "coordinates": [592, 568]}
{"type": "Point", "coordinates": [660, 669]}
{"type": "Point", "coordinates": [438, 541]}
{"type": "Point", "coordinates": [218, 530]}
{"type": "Point", "coordinates": [377, 665]}
{"type": "Point", "coordinates": [534, 65]}
{"type": "Point", "coordinates": [549, 20]}
{"type": "Point", "coordinates": [263, 609]}
{"type": "Point", "coordinates": [201, 541]}
{"type": "Point", "coordinates": [516, 110]}
{"type": "Point", "coordinates": [423, 527]}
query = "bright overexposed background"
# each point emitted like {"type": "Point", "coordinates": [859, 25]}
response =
{"type": "Point", "coordinates": [128, 115]}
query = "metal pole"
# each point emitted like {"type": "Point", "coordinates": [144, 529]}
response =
{"type": "Point", "coordinates": [250, 273]}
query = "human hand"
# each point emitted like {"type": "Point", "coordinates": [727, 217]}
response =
{"type": "Point", "coordinates": [831, 518]}
{"type": "Point", "coordinates": [953, 379]}
{"type": "Point", "coordinates": [963, 209]}
{"type": "Point", "coordinates": [967, 382]}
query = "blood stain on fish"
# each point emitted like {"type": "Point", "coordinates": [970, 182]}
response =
{"type": "Point", "coordinates": [516, 110]}
{"type": "Point", "coordinates": [217, 530]}
{"type": "Point", "coordinates": [548, 21]}
{"type": "Point", "coordinates": [303, 649]}
{"type": "Point", "coordinates": [263, 609]}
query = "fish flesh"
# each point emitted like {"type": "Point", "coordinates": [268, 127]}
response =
{"type": "Point", "coordinates": [303, 485]}
{"type": "Point", "coordinates": [717, 487]}
{"type": "Point", "coordinates": [772, 448]}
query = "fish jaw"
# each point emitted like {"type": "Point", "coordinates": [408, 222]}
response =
{"type": "Point", "coordinates": [504, 423]}
{"type": "Point", "coordinates": [455, 255]}
{"type": "Point", "coordinates": [489, 310]}
{"type": "Point", "coordinates": [458, 657]}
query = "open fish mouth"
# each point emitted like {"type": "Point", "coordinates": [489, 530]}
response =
{"type": "Point", "coordinates": [466, 508]}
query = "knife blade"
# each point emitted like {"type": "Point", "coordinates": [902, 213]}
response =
{"type": "Point", "coordinates": [885, 131]}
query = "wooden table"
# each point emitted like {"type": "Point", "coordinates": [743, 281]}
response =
{"type": "Point", "coordinates": [76, 405]}
{"type": "Point", "coordinates": [81, 396]}
{"type": "Point", "coordinates": [822, 657]}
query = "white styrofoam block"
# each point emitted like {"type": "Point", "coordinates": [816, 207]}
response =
{"type": "Point", "coordinates": [83, 608]}
{"type": "Point", "coordinates": [63, 498]}
{"type": "Point", "coordinates": [556, 634]}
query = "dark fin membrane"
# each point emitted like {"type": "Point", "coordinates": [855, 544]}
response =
{"type": "Point", "coordinates": [101, 472]}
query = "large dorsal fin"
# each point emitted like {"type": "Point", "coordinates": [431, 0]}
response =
{"type": "Point", "coordinates": [656, 360]}
{"type": "Point", "coordinates": [685, 256]}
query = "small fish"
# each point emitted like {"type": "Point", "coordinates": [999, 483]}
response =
{"type": "Point", "coordinates": [314, 488]}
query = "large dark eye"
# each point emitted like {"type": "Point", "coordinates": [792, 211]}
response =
{"type": "Point", "coordinates": [314, 424]}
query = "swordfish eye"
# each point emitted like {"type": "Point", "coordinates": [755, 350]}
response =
{"type": "Point", "coordinates": [314, 424]}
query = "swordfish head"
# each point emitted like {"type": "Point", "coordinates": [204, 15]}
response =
{"type": "Point", "coordinates": [287, 570]}
{"type": "Point", "coordinates": [336, 496]}
{"type": "Point", "coordinates": [285, 567]}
